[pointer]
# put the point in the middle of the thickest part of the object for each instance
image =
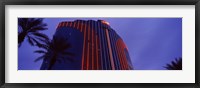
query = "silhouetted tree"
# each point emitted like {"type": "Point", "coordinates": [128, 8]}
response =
{"type": "Point", "coordinates": [51, 50]}
{"type": "Point", "coordinates": [30, 27]}
{"type": "Point", "coordinates": [175, 65]}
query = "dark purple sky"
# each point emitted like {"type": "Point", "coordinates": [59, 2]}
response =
{"type": "Point", "coordinates": [151, 42]}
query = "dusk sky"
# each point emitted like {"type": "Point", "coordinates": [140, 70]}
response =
{"type": "Point", "coordinates": [151, 42]}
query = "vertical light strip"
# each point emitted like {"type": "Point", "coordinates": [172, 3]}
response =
{"type": "Point", "coordinates": [92, 47]}
{"type": "Point", "coordinates": [66, 24]}
{"type": "Point", "coordinates": [124, 47]}
{"type": "Point", "coordinates": [63, 24]}
{"type": "Point", "coordinates": [83, 54]}
{"type": "Point", "coordinates": [106, 64]}
{"type": "Point", "coordinates": [97, 54]}
{"type": "Point", "coordinates": [70, 24]}
{"type": "Point", "coordinates": [122, 52]}
{"type": "Point", "coordinates": [122, 59]}
{"type": "Point", "coordinates": [113, 49]}
{"type": "Point", "coordinates": [78, 25]}
{"type": "Point", "coordinates": [74, 24]}
{"type": "Point", "coordinates": [81, 25]}
{"type": "Point", "coordinates": [88, 43]}
{"type": "Point", "coordinates": [110, 50]}
{"type": "Point", "coordinates": [102, 48]}
{"type": "Point", "coordinates": [118, 53]}
{"type": "Point", "coordinates": [99, 41]}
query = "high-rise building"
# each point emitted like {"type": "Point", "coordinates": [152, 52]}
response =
{"type": "Point", "coordinates": [95, 45]}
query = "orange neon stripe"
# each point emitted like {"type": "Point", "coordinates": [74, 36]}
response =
{"type": "Point", "coordinates": [74, 24]}
{"type": "Point", "coordinates": [88, 57]}
{"type": "Point", "coordinates": [119, 56]}
{"type": "Point", "coordinates": [81, 26]}
{"type": "Point", "coordinates": [122, 50]}
{"type": "Point", "coordinates": [97, 54]}
{"type": "Point", "coordinates": [92, 49]}
{"type": "Point", "coordinates": [78, 26]}
{"type": "Point", "coordinates": [66, 24]}
{"type": "Point", "coordinates": [125, 61]}
{"type": "Point", "coordinates": [63, 24]}
{"type": "Point", "coordinates": [122, 54]}
{"type": "Point", "coordinates": [127, 66]}
{"type": "Point", "coordinates": [88, 45]}
{"type": "Point", "coordinates": [70, 24]}
{"type": "Point", "coordinates": [83, 54]}
{"type": "Point", "coordinates": [124, 57]}
{"type": "Point", "coordinates": [110, 50]}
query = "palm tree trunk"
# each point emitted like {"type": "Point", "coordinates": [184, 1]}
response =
{"type": "Point", "coordinates": [52, 62]}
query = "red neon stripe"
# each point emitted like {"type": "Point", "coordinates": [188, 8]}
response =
{"type": "Point", "coordinates": [88, 45]}
{"type": "Point", "coordinates": [92, 49]}
{"type": "Point", "coordinates": [70, 24]}
{"type": "Point", "coordinates": [66, 24]}
{"type": "Point", "coordinates": [97, 54]}
{"type": "Point", "coordinates": [110, 50]}
{"type": "Point", "coordinates": [83, 54]}
{"type": "Point", "coordinates": [74, 24]}
{"type": "Point", "coordinates": [122, 51]}
{"type": "Point", "coordinates": [78, 25]}
{"type": "Point", "coordinates": [88, 57]}
{"type": "Point", "coordinates": [119, 55]}
{"type": "Point", "coordinates": [63, 24]}
{"type": "Point", "coordinates": [98, 49]}
{"type": "Point", "coordinates": [81, 26]}
{"type": "Point", "coordinates": [124, 58]}
{"type": "Point", "coordinates": [121, 46]}
{"type": "Point", "coordinates": [124, 55]}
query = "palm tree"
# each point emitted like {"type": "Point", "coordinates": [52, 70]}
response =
{"type": "Point", "coordinates": [30, 27]}
{"type": "Point", "coordinates": [175, 65]}
{"type": "Point", "coordinates": [52, 50]}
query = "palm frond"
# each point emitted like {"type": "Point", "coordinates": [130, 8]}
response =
{"type": "Point", "coordinates": [37, 43]}
{"type": "Point", "coordinates": [22, 22]}
{"type": "Point", "coordinates": [41, 35]}
{"type": "Point", "coordinates": [40, 51]}
{"type": "Point", "coordinates": [33, 26]}
{"type": "Point", "coordinates": [34, 22]}
{"type": "Point", "coordinates": [39, 28]}
{"type": "Point", "coordinates": [175, 65]}
{"type": "Point", "coordinates": [40, 58]}
{"type": "Point", "coordinates": [47, 42]}
{"type": "Point", "coordinates": [30, 41]}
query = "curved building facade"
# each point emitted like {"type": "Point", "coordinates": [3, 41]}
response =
{"type": "Point", "coordinates": [95, 45]}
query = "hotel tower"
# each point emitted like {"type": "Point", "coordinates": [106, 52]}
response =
{"type": "Point", "coordinates": [95, 45]}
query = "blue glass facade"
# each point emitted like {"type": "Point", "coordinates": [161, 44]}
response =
{"type": "Point", "coordinates": [95, 45]}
